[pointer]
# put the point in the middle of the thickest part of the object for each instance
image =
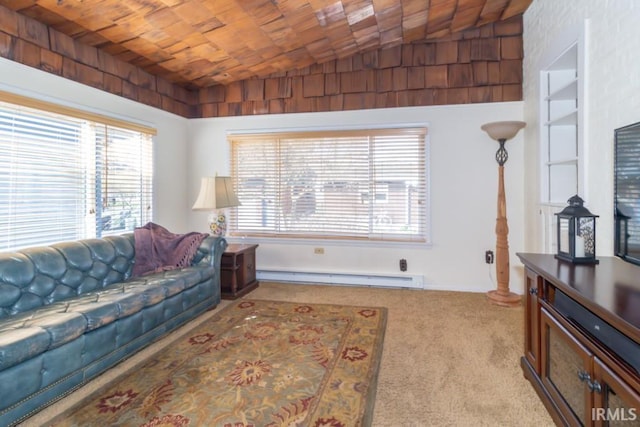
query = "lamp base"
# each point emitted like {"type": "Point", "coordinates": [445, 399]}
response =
{"type": "Point", "coordinates": [504, 300]}
{"type": "Point", "coordinates": [218, 224]}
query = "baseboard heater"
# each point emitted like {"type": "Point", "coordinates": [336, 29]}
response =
{"type": "Point", "coordinates": [380, 280]}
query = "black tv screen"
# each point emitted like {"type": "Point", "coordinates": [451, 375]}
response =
{"type": "Point", "coordinates": [627, 193]}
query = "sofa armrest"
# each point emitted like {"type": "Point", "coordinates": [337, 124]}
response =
{"type": "Point", "coordinates": [210, 252]}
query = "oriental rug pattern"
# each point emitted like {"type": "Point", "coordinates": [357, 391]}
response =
{"type": "Point", "coordinates": [256, 363]}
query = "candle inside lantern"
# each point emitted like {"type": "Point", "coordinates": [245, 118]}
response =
{"type": "Point", "coordinates": [579, 247]}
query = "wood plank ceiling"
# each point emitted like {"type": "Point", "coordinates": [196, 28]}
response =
{"type": "Point", "coordinates": [200, 43]}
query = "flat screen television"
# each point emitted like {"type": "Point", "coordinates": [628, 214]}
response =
{"type": "Point", "coordinates": [627, 192]}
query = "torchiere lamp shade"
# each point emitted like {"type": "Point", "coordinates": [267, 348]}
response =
{"type": "Point", "coordinates": [502, 130]}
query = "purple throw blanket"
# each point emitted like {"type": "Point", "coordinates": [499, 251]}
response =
{"type": "Point", "coordinates": [157, 249]}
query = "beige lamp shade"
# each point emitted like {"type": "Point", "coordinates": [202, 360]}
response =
{"type": "Point", "coordinates": [502, 130]}
{"type": "Point", "coordinates": [216, 193]}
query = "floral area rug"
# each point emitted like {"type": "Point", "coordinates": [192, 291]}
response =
{"type": "Point", "coordinates": [256, 363]}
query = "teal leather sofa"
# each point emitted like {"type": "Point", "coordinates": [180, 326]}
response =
{"type": "Point", "coordinates": [70, 311]}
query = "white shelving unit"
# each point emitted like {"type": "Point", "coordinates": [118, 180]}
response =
{"type": "Point", "coordinates": [560, 82]}
{"type": "Point", "coordinates": [561, 128]}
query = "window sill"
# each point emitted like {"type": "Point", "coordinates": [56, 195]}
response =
{"type": "Point", "coordinates": [326, 242]}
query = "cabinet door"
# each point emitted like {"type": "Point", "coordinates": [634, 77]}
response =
{"type": "Point", "coordinates": [249, 270]}
{"type": "Point", "coordinates": [228, 276]}
{"type": "Point", "coordinates": [566, 366]}
{"type": "Point", "coordinates": [615, 402]}
{"type": "Point", "coordinates": [533, 288]}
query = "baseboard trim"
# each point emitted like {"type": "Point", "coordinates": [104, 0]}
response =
{"type": "Point", "coordinates": [355, 279]}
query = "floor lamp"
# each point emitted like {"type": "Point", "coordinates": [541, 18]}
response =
{"type": "Point", "coordinates": [502, 132]}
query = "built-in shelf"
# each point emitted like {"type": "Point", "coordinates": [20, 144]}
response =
{"type": "Point", "coordinates": [567, 92]}
{"type": "Point", "coordinates": [570, 119]}
{"type": "Point", "coordinates": [561, 128]}
{"type": "Point", "coordinates": [566, 61]}
{"type": "Point", "coordinates": [568, 161]}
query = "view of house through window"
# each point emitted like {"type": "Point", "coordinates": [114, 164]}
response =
{"type": "Point", "coordinates": [353, 184]}
{"type": "Point", "coordinates": [66, 178]}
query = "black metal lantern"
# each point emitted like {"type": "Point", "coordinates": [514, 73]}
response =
{"type": "Point", "coordinates": [577, 233]}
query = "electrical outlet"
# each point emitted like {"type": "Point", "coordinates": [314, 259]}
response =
{"type": "Point", "coordinates": [318, 251]}
{"type": "Point", "coordinates": [403, 264]}
{"type": "Point", "coordinates": [488, 257]}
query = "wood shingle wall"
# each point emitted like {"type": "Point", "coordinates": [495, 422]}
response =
{"type": "Point", "coordinates": [479, 65]}
{"type": "Point", "coordinates": [29, 42]}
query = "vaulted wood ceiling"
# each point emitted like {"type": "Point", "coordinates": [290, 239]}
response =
{"type": "Point", "coordinates": [199, 43]}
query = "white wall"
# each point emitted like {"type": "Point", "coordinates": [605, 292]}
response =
{"type": "Point", "coordinates": [463, 182]}
{"type": "Point", "coordinates": [612, 93]}
{"type": "Point", "coordinates": [170, 145]}
{"type": "Point", "coordinates": [463, 179]}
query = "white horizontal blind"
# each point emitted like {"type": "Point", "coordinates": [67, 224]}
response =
{"type": "Point", "coordinates": [364, 184]}
{"type": "Point", "coordinates": [42, 182]}
{"type": "Point", "coordinates": [50, 177]}
{"type": "Point", "coordinates": [124, 179]}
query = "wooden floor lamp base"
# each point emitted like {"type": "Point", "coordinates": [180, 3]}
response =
{"type": "Point", "coordinates": [505, 300]}
{"type": "Point", "coordinates": [501, 132]}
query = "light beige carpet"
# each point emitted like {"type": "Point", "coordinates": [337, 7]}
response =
{"type": "Point", "coordinates": [449, 358]}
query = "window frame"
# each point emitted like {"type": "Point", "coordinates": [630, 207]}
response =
{"type": "Point", "coordinates": [422, 239]}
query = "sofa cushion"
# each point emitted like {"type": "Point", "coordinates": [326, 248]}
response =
{"type": "Point", "coordinates": [127, 303]}
{"type": "Point", "coordinates": [96, 313]}
{"type": "Point", "coordinates": [171, 285]}
{"type": "Point", "coordinates": [151, 293]}
{"type": "Point", "coordinates": [16, 273]}
{"type": "Point", "coordinates": [20, 343]}
{"type": "Point", "coordinates": [190, 275]}
{"type": "Point", "coordinates": [101, 261]}
{"type": "Point", "coordinates": [61, 327]}
{"type": "Point", "coordinates": [9, 295]}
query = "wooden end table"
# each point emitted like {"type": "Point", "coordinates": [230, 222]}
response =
{"type": "Point", "coordinates": [238, 271]}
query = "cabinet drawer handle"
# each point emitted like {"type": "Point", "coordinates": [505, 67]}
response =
{"type": "Point", "coordinates": [584, 376]}
{"type": "Point", "coordinates": [533, 291]}
{"type": "Point", "coordinates": [594, 386]}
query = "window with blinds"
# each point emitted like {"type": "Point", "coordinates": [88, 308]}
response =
{"type": "Point", "coordinates": [66, 178]}
{"type": "Point", "coordinates": [356, 184]}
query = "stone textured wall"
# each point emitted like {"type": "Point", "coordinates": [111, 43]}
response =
{"type": "Point", "coordinates": [479, 65]}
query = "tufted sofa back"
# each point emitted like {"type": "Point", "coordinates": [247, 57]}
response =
{"type": "Point", "coordinates": [38, 276]}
